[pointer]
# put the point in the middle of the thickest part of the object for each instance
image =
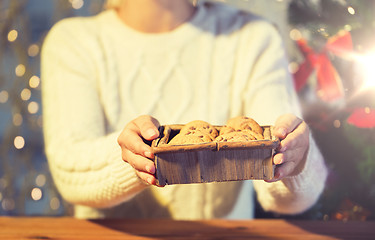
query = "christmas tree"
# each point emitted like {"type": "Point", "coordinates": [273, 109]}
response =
{"type": "Point", "coordinates": [336, 84]}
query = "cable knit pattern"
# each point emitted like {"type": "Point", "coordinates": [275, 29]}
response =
{"type": "Point", "coordinates": [98, 74]}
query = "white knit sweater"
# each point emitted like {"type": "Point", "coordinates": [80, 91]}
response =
{"type": "Point", "coordinates": [98, 74]}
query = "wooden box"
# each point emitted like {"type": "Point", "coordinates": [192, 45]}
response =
{"type": "Point", "coordinates": [212, 161]}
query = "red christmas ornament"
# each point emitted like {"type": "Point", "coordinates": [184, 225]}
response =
{"type": "Point", "coordinates": [329, 85]}
{"type": "Point", "coordinates": [362, 118]}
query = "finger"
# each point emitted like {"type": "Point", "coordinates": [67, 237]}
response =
{"type": "Point", "coordinates": [286, 124]}
{"type": "Point", "coordinates": [147, 127]}
{"type": "Point", "coordinates": [148, 178]}
{"type": "Point", "coordinates": [284, 170]}
{"type": "Point", "coordinates": [130, 140]}
{"type": "Point", "coordinates": [138, 162]}
{"type": "Point", "coordinates": [298, 138]}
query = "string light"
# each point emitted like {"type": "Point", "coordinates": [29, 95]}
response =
{"type": "Point", "coordinates": [33, 107]}
{"type": "Point", "coordinates": [54, 203]}
{"type": "Point", "coordinates": [12, 35]}
{"type": "Point", "coordinates": [348, 27]}
{"type": "Point", "coordinates": [19, 142]}
{"type": "Point", "coordinates": [8, 204]}
{"type": "Point", "coordinates": [351, 10]}
{"type": "Point", "coordinates": [40, 180]}
{"type": "Point", "coordinates": [36, 194]}
{"type": "Point", "coordinates": [76, 4]}
{"type": "Point", "coordinates": [25, 94]}
{"type": "Point", "coordinates": [33, 50]}
{"type": "Point", "coordinates": [34, 81]}
{"type": "Point", "coordinates": [20, 70]}
{"type": "Point", "coordinates": [17, 119]}
{"type": "Point", "coordinates": [4, 95]}
{"type": "Point", "coordinates": [295, 34]}
{"type": "Point", "coordinates": [293, 67]}
{"type": "Point", "coordinates": [337, 123]}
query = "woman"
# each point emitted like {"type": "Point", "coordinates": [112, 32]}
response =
{"type": "Point", "coordinates": [175, 62]}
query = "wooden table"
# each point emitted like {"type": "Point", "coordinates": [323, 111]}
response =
{"type": "Point", "coordinates": [69, 228]}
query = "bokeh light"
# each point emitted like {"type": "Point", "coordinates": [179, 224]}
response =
{"type": "Point", "coordinates": [34, 81]}
{"type": "Point", "coordinates": [33, 107]}
{"type": "Point", "coordinates": [19, 142]}
{"type": "Point", "coordinates": [25, 94]}
{"type": "Point", "coordinates": [20, 70]}
{"type": "Point", "coordinates": [33, 50]}
{"type": "Point", "coordinates": [12, 35]}
{"type": "Point", "coordinates": [17, 119]}
{"type": "Point", "coordinates": [4, 95]}
{"type": "Point", "coordinates": [54, 203]}
{"type": "Point", "coordinates": [36, 194]}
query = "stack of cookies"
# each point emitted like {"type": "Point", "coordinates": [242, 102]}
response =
{"type": "Point", "coordinates": [237, 129]}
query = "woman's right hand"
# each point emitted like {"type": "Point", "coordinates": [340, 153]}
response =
{"type": "Point", "coordinates": [135, 151]}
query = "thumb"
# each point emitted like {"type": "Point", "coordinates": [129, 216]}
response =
{"type": "Point", "coordinates": [148, 127]}
{"type": "Point", "coordinates": [285, 124]}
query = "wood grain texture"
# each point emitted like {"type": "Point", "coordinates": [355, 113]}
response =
{"type": "Point", "coordinates": [213, 161]}
{"type": "Point", "coordinates": [69, 228]}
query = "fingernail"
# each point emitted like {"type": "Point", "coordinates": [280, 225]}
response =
{"type": "Point", "coordinates": [151, 133]}
{"type": "Point", "coordinates": [148, 154]}
{"type": "Point", "coordinates": [150, 169]}
{"type": "Point", "coordinates": [149, 180]}
{"type": "Point", "coordinates": [278, 160]}
{"type": "Point", "coordinates": [282, 131]}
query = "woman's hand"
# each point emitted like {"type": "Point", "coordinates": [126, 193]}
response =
{"type": "Point", "coordinates": [135, 151]}
{"type": "Point", "coordinates": [291, 156]}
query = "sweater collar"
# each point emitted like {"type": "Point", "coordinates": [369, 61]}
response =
{"type": "Point", "coordinates": [176, 37]}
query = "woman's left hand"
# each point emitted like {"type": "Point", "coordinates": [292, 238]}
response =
{"type": "Point", "coordinates": [291, 156]}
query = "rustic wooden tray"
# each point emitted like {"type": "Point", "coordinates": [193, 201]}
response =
{"type": "Point", "coordinates": [212, 161]}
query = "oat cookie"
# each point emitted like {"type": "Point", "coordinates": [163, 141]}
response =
{"type": "Point", "coordinates": [234, 137]}
{"type": "Point", "coordinates": [199, 126]}
{"type": "Point", "coordinates": [256, 135]}
{"type": "Point", "coordinates": [191, 138]}
{"type": "Point", "coordinates": [226, 129]}
{"type": "Point", "coordinates": [242, 123]}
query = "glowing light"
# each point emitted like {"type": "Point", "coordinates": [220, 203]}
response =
{"type": "Point", "coordinates": [295, 34]}
{"type": "Point", "coordinates": [40, 180]}
{"type": "Point", "coordinates": [54, 203]}
{"type": "Point", "coordinates": [8, 204]}
{"type": "Point", "coordinates": [351, 10]}
{"type": "Point", "coordinates": [25, 94]}
{"type": "Point", "coordinates": [33, 107]}
{"type": "Point", "coordinates": [20, 70]}
{"type": "Point", "coordinates": [34, 81]}
{"type": "Point", "coordinates": [293, 67]}
{"type": "Point", "coordinates": [19, 142]}
{"type": "Point", "coordinates": [337, 123]}
{"type": "Point", "coordinates": [348, 27]}
{"type": "Point", "coordinates": [367, 68]}
{"type": "Point", "coordinates": [17, 119]}
{"type": "Point", "coordinates": [12, 35]}
{"type": "Point", "coordinates": [77, 4]}
{"type": "Point", "coordinates": [4, 95]}
{"type": "Point", "coordinates": [33, 50]}
{"type": "Point", "coordinates": [36, 194]}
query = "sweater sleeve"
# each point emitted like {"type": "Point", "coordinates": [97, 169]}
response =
{"type": "Point", "coordinates": [269, 94]}
{"type": "Point", "coordinates": [83, 155]}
